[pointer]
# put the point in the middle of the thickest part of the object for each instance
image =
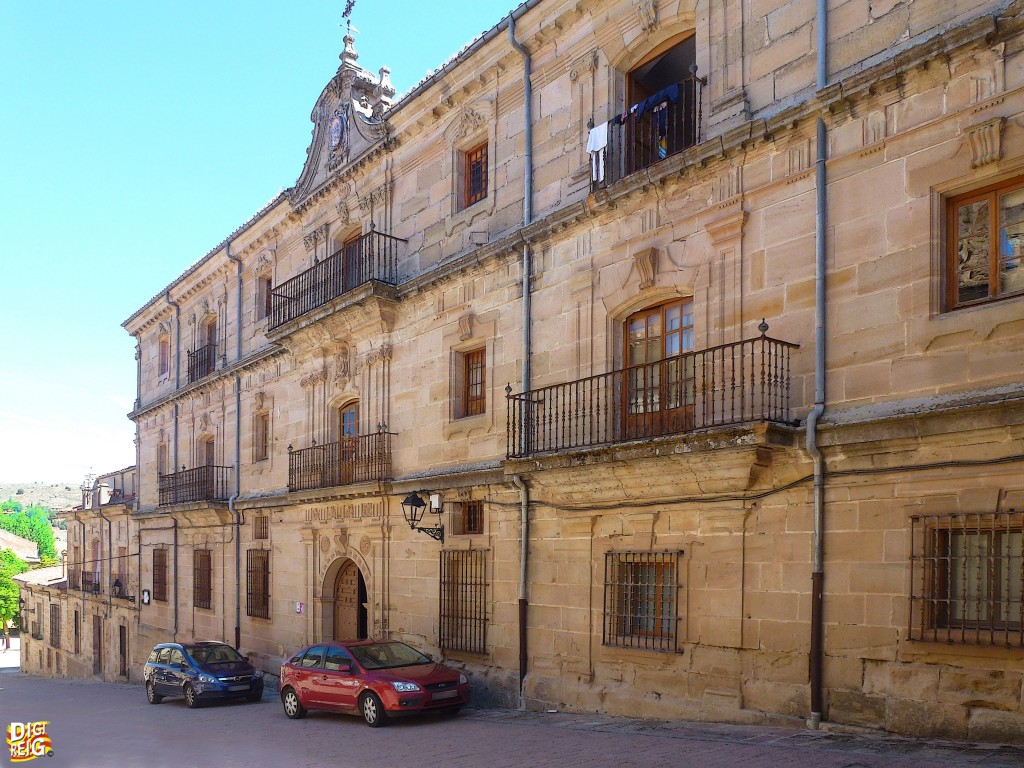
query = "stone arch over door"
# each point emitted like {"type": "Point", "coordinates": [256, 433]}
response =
{"type": "Point", "coordinates": [345, 604]}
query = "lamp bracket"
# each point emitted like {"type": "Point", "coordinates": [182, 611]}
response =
{"type": "Point", "coordinates": [435, 533]}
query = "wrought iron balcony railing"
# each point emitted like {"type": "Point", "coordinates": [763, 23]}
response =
{"type": "Point", "coordinates": [202, 362]}
{"type": "Point", "coordinates": [90, 582]}
{"type": "Point", "coordinates": [207, 483]}
{"type": "Point", "coordinates": [658, 127]}
{"type": "Point", "coordinates": [354, 459]}
{"type": "Point", "coordinates": [727, 385]}
{"type": "Point", "coordinates": [374, 256]}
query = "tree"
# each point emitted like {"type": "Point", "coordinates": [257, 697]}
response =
{"type": "Point", "coordinates": [32, 523]}
{"type": "Point", "coordinates": [10, 565]}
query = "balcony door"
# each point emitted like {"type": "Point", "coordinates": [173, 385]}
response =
{"type": "Point", "coordinates": [659, 374]}
{"type": "Point", "coordinates": [348, 421]}
{"type": "Point", "coordinates": [661, 105]}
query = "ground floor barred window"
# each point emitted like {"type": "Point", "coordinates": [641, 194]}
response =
{"type": "Point", "coordinates": [968, 578]}
{"type": "Point", "coordinates": [463, 620]}
{"type": "Point", "coordinates": [641, 608]}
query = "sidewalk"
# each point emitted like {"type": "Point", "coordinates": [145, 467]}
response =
{"type": "Point", "coordinates": [11, 659]}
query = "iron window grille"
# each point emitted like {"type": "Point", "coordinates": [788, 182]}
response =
{"type": "Point", "coordinates": [202, 572]}
{"type": "Point", "coordinates": [463, 610]}
{"type": "Point", "coordinates": [469, 517]}
{"type": "Point", "coordinates": [55, 625]}
{"type": "Point", "coordinates": [257, 602]}
{"type": "Point", "coordinates": [160, 574]}
{"type": "Point", "coordinates": [967, 578]}
{"type": "Point", "coordinates": [261, 527]}
{"type": "Point", "coordinates": [641, 592]}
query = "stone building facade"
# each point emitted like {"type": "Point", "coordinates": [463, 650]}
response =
{"type": "Point", "coordinates": [82, 616]}
{"type": "Point", "coordinates": [700, 339]}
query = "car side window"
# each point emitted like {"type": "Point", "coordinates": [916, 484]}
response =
{"type": "Point", "coordinates": [164, 657]}
{"type": "Point", "coordinates": [154, 656]}
{"type": "Point", "coordinates": [176, 657]}
{"type": "Point", "coordinates": [336, 659]}
{"type": "Point", "coordinates": [313, 657]}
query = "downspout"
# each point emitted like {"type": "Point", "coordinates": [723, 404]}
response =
{"type": "Point", "coordinates": [817, 649]}
{"type": "Point", "coordinates": [524, 493]}
{"type": "Point", "coordinates": [175, 521]}
{"type": "Point", "coordinates": [177, 372]}
{"type": "Point", "coordinates": [235, 515]}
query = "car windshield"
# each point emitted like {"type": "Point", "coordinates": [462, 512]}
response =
{"type": "Point", "coordinates": [214, 654]}
{"type": "Point", "coordinates": [387, 655]}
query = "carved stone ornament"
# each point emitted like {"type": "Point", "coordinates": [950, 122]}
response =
{"type": "Point", "coordinates": [646, 262]}
{"type": "Point", "coordinates": [204, 423]}
{"type": "Point", "coordinates": [343, 364]}
{"type": "Point", "coordinates": [587, 63]}
{"type": "Point", "coordinates": [314, 238]}
{"type": "Point", "coordinates": [374, 199]}
{"type": "Point", "coordinates": [164, 328]}
{"type": "Point", "coordinates": [364, 545]}
{"type": "Point", "coordinates": [986, 142]}
{"type": "Point", "coordinates": [343, 214]}
{"type": "Point", "coordinates": [648, 12]}
{"type": "Point", "coordinates": [468, 123]}
{"type": "Point", "coordinates": [265, 261]}
{"type": "Point", "coordinates": [466, 326]}
{"type": "Point", "coordinates": [260, 400]}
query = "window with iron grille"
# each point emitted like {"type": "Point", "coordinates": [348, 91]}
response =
{"type": "Point", "coordinates": [78, 633]}
{"type": "Point", "coordinates": [261, 527]}
{"type": "Point", "coordinates": [468, 518]}
{"type": "Point", "coordinates": [967, 578]}
{"type": "Point", "coordinates": [474, 175]}
{"type": "Point", "coordinates": [463, 619]}
{"type": "Point", "coordinates": [160, 574]}
{"type": "Point", "coordinates": [641, 591]}
{"type": "Point", "coordinates": [258, 583]}
{"type": "Point", "coordinates": [202, 578]}
{"type": "Point", "coordinates": [55, 625]}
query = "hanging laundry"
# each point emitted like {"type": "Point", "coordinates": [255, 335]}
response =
{"type": "Point", "coordinates": [597, 143]}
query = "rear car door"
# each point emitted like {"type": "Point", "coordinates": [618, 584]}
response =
{"type": "Point", "coordinates": [308, 673]}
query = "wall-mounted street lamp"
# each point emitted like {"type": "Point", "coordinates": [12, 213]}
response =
{"type": "Point", "coordinates": [117, 590]}
{"type": "Point", "coordinates": [413, 509]}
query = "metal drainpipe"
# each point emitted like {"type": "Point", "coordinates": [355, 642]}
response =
{"type": "Point", "coordinates": [817, 649]}
{"type": "Point", "coordinates": [175, 521]}
{"type": "Point", "coordinates": [524, 493]}
{"type": "Point", "coordinates": [236, 516]}
{"type": "Point", "coordinates": [177, 370]}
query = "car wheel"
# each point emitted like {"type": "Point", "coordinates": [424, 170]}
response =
{"type": "Point", "coordinates": [151, 695]}
{"type": "Point", "coordinates": [373, 710]}
{"type": "Point", "coordinates": [255, 696]}
{"type": "Point", "coordinates": [292, 706]}
{"type": "Point", "coordinates": [451, 712]}
{"type": "Point", "coordinates": [191, 699]}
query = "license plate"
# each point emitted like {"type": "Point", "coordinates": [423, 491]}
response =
{"type": "Point", "coordinates": [445, 695]}
{"type": "Point", "coordinates": [238, 687]}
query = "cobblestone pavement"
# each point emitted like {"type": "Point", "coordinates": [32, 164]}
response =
{"type": "Point", "coordinates": [108, 726]}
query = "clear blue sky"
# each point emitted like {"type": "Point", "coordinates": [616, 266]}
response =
{"type": "Point", "coordinates": [136, 136]}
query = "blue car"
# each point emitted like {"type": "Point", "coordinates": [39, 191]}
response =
{"type": "Point", "coordinates": [202, 671]}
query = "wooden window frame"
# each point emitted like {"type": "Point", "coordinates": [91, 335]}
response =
{"type": "Point", "coordinates": [472, 514]}
{"type": "Point", "coordinates": [261, 527]}
{"type": "Point", "coordinates": [55, 625]}
{"type": "Point", "coordinates": [164, 355]}
{"type": "Point", "coordinates": [202, 578]}
{"type": "Point", "coordinates": [260, 436]}
{"type": "Point", "coordinates": [160, 575]}
{"type": "Point", "coordinates": [257, 601]}
{"type": "Point", "coordinates": [264, 296]}
{"type": "Point", "coordinates": [474, 174]}
{"type": "Point", "coordinates": [474, 382]}
{"type": "Point", "coordinates": [990, 194]}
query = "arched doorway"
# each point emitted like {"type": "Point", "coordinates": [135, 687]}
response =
{"type": "Point", "coordinates": [349, 603]}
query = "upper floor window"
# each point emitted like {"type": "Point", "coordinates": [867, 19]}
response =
{"type": "Point", "coordinates": [202, 578]}
{"type": "Point", "coordinates": [468, 517]}
{"type": "Point", "coordinates": [164, 355]}
{"type": "Point", "coordinates": [264, 297]}
{"type": "Point", "coordinates": [474, 175]}
{"type": "Point", "coordinates": [261, 437]}
{"type": "Point", "coordinates": [470, 385]}
{"type": "Point", "coordinates": [984, 243]}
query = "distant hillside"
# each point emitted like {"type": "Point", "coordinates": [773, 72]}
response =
{"type": "Point", "coordinates": [54, 496]}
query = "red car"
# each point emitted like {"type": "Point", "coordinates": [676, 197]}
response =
{"type": "Point", "coordinates": [377, 679]}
